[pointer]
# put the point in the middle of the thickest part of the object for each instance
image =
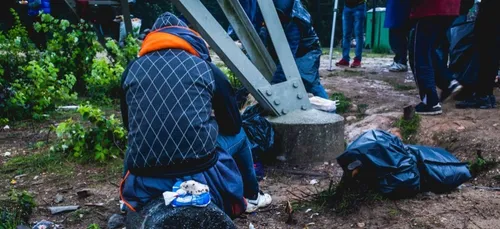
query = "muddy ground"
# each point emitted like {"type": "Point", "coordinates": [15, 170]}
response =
{"type": "Point", "coordinates": [379, 97]}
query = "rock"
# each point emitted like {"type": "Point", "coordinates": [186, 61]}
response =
{"type": "Point", "coordinates": [61, 209]}
{"type": "Point", "coordinates": [58, 199]}
{"type": "Point", "coordinates": [361, 225]}
{"type": "Point", "coordinates": [7, 154]}
{"type": "Point", "coordinates": [377, 121]}
{"type": "Point", "coordinates": [116, 221]}
{"type": "Point", "coordinates": [353, 108]}
{"type": "Point", "coordinates": [313, 182]}
{"type": "Point", "coordinates": [350, 118]}
{"type": "Point", "coordinates": [156, 215]}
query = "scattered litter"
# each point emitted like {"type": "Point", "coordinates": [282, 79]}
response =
{"type": "Point", "coordinates": [313, 182]}
{"type": "Point", "coordinates": [7, 154]}
{"type": "Point", "coordinates": [46, 224]}
{"type": "Point", "coordinates": [322, 104]}
{"type": "Point", "coordinates": [308, 210]}
{"type": "Point", "coordinates": [309, 224]}
{"type": "Point", "coordinates": [36, 177]}
{"type": "Point", "coordinates": [326, 163]}
{"type": "Point", "coordinates": [361, 225]}
{"type": "Point", "coordinates": [95, 204]}
{"type": "Point", "coordinates": [61, 209]}
{"type": "Point", "coordinates": [6, 127]}
{"type": "Point", "coordinates": [13, 182]}
{"type": "Point", "coordinates": [59, 198]}
{"type": "Point", "coordinates": [251, 226]}
{"type": "Point", "coordinates": [350, 118]}
{"type": "Point", "coordinates": [83, 194]}
{"type": "Point", "coordinates": [314, 214]}
{"type": "Point", "coordinates": [20, 176]}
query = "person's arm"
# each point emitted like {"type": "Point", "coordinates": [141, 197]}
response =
{"type": "Point", "coordinates": [224, 104]}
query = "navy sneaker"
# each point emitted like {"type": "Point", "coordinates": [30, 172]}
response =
{"type": "Point", "coordinates": [424, 109]}
{"type": "Point", "coordinates": [484, 103]}
{"type": "Point", "coordinates": [493, 101]}
{"type": "Point", "coordinates": [451, 91]}
{"type": "Point", "coordinates": [466, 103]}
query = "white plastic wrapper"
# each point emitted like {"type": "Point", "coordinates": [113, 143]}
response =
{"type": "Point", "coordinates": [322, 104]}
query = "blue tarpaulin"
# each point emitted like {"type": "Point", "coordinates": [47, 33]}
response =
{"type": "Point", "coordinates": [398, 170]}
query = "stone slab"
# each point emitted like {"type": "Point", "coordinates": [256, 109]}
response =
{"type": "Point", "coordinates": [311, 136]}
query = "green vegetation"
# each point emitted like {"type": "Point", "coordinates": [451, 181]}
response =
{"type": "Point", "coordinates": [343, 104]}
{"type": "Point", "coordinates": [16, 209]}
{"type": "Point", "coordinates": [233, 80]}
{"type": "Point", "coordinates": [408, 127]}
{"type": "Point", "coordinates": [99, 139]}
{"type": "Point", "coordinates": [93, 226]}
{"type": "Point", "coordinates": [344, 198]}
{"type": "Point", "coordinates": [481, 165]}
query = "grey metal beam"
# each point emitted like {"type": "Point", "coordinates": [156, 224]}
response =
{"type": "Point", "coordinates": [226, 49]}
{"type": "Point", "coordinates": [248, 37]}
{"type": "Point", "coordinates": [126, 16]}
{"type": "Point", "coordinates": [278, 37]}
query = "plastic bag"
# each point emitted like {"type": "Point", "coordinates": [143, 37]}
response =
{"type": "Point", "coordinates": [136, 29]}
{"type": "Point", "coordinates": [322, 104]}
{"type": "Point", "coordinates": [384, 164]}
{"type": "Point", "coordinates": [440, 171]}
{"type": "Point", "coordinates": [259, 131]}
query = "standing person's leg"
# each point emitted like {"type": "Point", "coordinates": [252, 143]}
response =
{"type": "Point", "coordinates": [359, 28]}
{"type": "Point", "coordinates": [424, 52]}
{"type": "Point", "coordinates": [398, 39]}
{"type": "Point", "coordinates": [347, 27]}
{"type": "Point", "coordinates": [487, 29]}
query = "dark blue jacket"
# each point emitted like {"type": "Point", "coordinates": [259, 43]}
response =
{"type": "Point", "coordinates": [37, 6]}
{"type": "Point", "coordinates": [397, 13]}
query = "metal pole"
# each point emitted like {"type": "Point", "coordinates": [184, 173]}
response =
{"type": "Point", "coordinates": [335, 9]}
{"type": "Point", "coordinates": [126, 16]}
{"type": "Point", "coordinates": [373, 23]}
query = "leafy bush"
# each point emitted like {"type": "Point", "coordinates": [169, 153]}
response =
{"type": "Point", "coordinates": [123, 55]}
{"type": "Point", "coordinates": [71, 47]}
{"type": "Point", "coordinates": [16, 209]}
{"type": "Point", "coordinates": [99, 139]}
{"type": "Point", "coordinates": [343, 104]}
{"type": "Point", "coordinates": [104, 81]}
{"type": "Point", "coordinates": [233, 80]}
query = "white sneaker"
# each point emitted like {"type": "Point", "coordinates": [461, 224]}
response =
{"type": "Point", "coordinates": [262, 201]}
{"type": "Point", "coordinates": [397, 67]}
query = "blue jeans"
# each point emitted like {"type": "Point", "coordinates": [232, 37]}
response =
{"type": "Point", "coordinates": [353, 18]}
{"type": "Point", "coordinates": [238, 147]}
{"type": "Point", "coordinates": [429, 57]}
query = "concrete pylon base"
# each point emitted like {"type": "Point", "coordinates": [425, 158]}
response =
{"type": "Point", "coordinates": [311, 136]}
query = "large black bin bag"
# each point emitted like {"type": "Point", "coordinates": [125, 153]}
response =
{"type": "Point", "coordinates": [383, 163]}
{"type": "Point", "coordinates": [440, 171]}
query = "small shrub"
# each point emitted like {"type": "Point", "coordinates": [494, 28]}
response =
{"type": "Point", "coordinates": [343, 104]}
{"type": "Point", "coordinates": [93, 226]}
{"type": "Point", "coordinates": [408, 127]}
{"type": "Point", "coordinates": [16, 209]}
{"type": "Point", "coordinates": [99, 139]}
{"type": "Point", "coordinates": [233, 80]}
{"type": "Point", "coordinates": [123, 55]}
{"type": "Point", "coordinates": [104, 82]}
{"type": "Point", "coordinates": [481, 165]}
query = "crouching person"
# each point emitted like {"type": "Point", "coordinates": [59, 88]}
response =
{"type": "Point", "coordinates": [170, 94]}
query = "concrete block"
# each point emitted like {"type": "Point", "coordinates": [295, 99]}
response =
{"type": "Point", "coordinates": [311, 136]}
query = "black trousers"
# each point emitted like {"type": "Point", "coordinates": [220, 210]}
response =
{"type": "Point", "coordinates": [487, 30]}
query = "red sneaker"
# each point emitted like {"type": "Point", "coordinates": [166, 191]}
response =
{"type": "Point", "coordinates": [356, 63]}
{"type": "Point", "coordinates": [342, 63]}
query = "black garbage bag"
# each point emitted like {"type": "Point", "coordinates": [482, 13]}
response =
{"type": "Point", "coordinates": [259, 131]}
{"type": "Point", "coordinates": [464, 58]}
{"type": "Point", "coordinates": [383, 163]}
{"type": "Point", "coordinates": [440, 171]}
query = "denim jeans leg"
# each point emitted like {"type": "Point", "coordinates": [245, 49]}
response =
{"type": "Point", "coordinates": [347, 27]}
{"type": "Point", "coordinates": [238, 147]}
{"type": "Point", "coordinates": [359, 28]}
{"type": "Point", "coordinates": [424, 53]}
{"type": "Point", "coordinates": [398, 39]}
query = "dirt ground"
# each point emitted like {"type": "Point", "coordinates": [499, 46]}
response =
{"type": "Point", "coordinates": [378, 97]}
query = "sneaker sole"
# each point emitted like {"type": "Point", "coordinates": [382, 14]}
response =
{"type": "Point", "coordinates": [454, 93]}
{"type": "Point", "coordinates": [430, 113]}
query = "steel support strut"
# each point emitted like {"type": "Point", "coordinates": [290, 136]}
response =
{"type": "Point", "coordinates": [280, 98]}
{"type": "Point", "coordinates": [249, 37]}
